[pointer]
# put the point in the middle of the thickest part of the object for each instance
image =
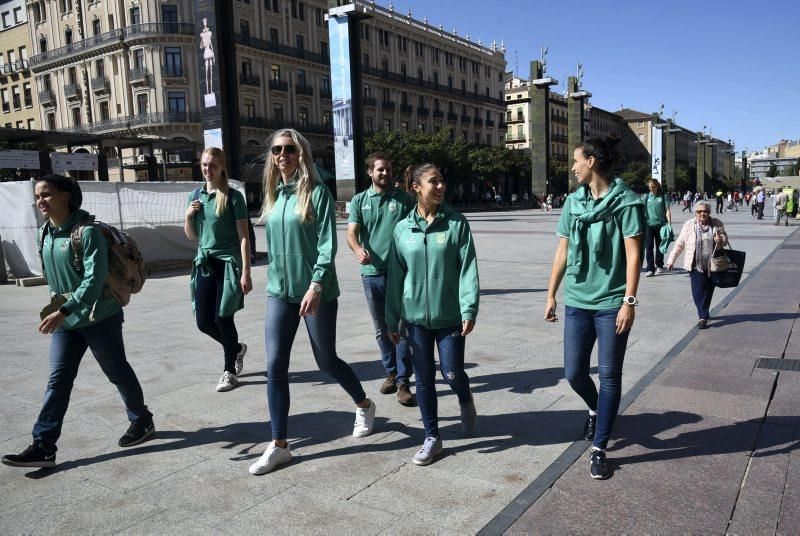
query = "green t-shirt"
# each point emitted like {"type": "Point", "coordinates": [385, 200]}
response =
{"type": "Point", "coordinates": [219, 233]}
{"type": "Point", "coordinates": [377, 214]}
{"type": "Point", "coordinates": [656, 210]}
{"type": "Point", "coordinates": [600, 282]}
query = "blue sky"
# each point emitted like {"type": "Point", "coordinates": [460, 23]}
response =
{"type": "Point", "coordinates": [731, 65]}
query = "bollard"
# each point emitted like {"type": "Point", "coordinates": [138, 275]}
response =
{"type": "Point", "coordinates": [3, 273]}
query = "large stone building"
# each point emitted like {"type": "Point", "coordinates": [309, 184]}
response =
{"type": "Point", "coordinates": [17, 97]}
{"type": "Point", "coordinates": [129, 68]}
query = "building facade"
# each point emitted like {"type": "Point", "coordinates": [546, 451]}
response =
{"type": "Point", "coordinates": [19, 103]}
{"type": "Point", "coordinates": [130, 68]}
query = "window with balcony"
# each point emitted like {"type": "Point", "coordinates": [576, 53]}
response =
{"type": "Point", "coordinates": [325, 85]}
{"type": "Point", "coordinates": [244, 28]}
{"type": "Point", "coordinates": [76, 116]}
{"type": "Point", "coordinates": [275, 73]}
{"type": "Point", "coordinates": [72, 75]}
{"type": "Point", "coordinates": [385, 65]}
{"type": "Point", "coordinates": [277, 111]}
{"type": "Point", "coordinates": [16, 99]}
{"type": "Point", "coordinates": [404, 126]}
{"type": "Point", "coordinates": [299, 42]}
{"type": "Point", "coordinates": [4, 99]}
{"type": "Point", "coordinates": [365, 60]}
{"type": "Point", "coordinates": [96, 27]}
{"type": "Point", "coordinates": [421, 127]}
{"type": "Point", "coordinates": [141, 103]}
{"type": "Point", "coordinates": [51, 121]}
{"type": "Point", "coordinates": [463, 85]}
{"type": "Point", "coordinates": [419, 73]}
{"type": "Point", "coordinates": [369, 125]}
{"type": "Point", "coordinates": [301, 77]}
{"type": "Point", "coordinates": [387, 124]}
{"type": "Point", "coordinates": [520, 132]}
{"type": "Point", "coordinates": [323, 49]}
{"type": "Point", "coordinates": [367, 91]}
{"type": "Point", "coordinates": [169, 13]}
{"type": "Point", "coordinates": [135, 15]}
{"type": "Point", "coordinates": [138, 58]}
{"type": "Point", "coordinates": [176, 102]}
{"type": "Point", "coordinates": [68, 36]}
{"type": "Point", "coordinates": [247, 68]}
{"type": "Point", "coordinates": [293, 8]}
{"type": "Point", "coordinates": [302, 116]}
{"type": "Point", "coordinates": [43, 44]}
{"type": "Point", "coordinates": [273, 35]}
{"type": "Point", "coordinates": [365, 32]}
{"type": "Point", "coordinates": [326, 119]}
{"type": "Point", "coordinates": [66, 6]}
{"type": "Point", "coordinates": [249, 108]}
{"type": "Point", "coordinates": [403, 70]}
{"type": "Point", "coordinates": [301, 11]}
{"type": "Point", "coordinates": [173, 61]}
{"type": "Point", "coordinates": [27, 94]}
{"type": "Point", "coordinates": [105, 115]}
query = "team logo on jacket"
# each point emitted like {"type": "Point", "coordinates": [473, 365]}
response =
{"type": "Point", "coordinates": [64, 246]}
{"type": "Point", "coordinates": [393, 206]}
{"type": "Point", "coordinates": [441, 238]}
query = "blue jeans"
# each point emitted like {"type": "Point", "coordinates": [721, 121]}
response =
{"type": "Point", "coordinates": [451, 361]}
{"type": "Point", "coordinates": [280, 328]}
{"type": "Point", "coordinates": [67, 347]}
{"type": "Point", "coordinates": [702, 292]}
{"type": "Point", "coordinates": [207, 297]}
{"type": "Point", "coordinates": [396, 359]}
{"type": "Point", "coordinates": [652, 237]}
{"type": "Point", "coordinates": [582, 327]}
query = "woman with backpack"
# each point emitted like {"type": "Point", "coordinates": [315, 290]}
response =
{"type": "Point", "coordinates": [598, 255]}
{"type": "Point", "coordinates": [217, 218]}
{"type": "Point", "coordinates": [80, 316]}
{"type": "Point", "coordinates": [300, 220]}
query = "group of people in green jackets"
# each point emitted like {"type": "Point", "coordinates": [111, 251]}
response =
{"type": "Point", "coordinates": [420, 277]}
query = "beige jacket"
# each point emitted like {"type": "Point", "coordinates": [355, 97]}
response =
{"type": "Point", "coordinates": [686, 242]}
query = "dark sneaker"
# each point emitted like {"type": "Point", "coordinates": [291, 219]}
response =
{"type": "Point", "coordinates": [33, 456]}
{"type": "Point", "coordinates": [389, 386]}
{"type": "Point", "coordinates": [702, 323]}
{"type": "Point", "coordinates": [588, 428]}
{"type": "Point", "coordinates": [469, 416]}
{"type": "Point", "coordinates": [405, 396]}
{"type": "Point", "coordinates": [599, 466]}
{"type": "Point", "coordinates": [137, 433]}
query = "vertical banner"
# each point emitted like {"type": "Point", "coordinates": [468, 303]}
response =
{"type": "Point", "coordinates": [341, 82]}
{"type": "Point", "coordinates": [657, 152]}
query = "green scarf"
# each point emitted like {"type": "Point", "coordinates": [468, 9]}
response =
{"type": "Point", "coordinates": [618, 197]}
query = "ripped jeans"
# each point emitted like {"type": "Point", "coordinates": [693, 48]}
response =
{"type": "Point", "coordinates": [450, 344]}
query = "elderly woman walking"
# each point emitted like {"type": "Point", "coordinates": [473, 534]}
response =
{"type": "Point", "coordinates": [698, 238]}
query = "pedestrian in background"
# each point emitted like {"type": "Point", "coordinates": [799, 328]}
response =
{"type": "Point", "coordinates": [80, 316]}
{"type": "Point", "coordinates": [780, 208]}
{"type": "Point", "coordinates": [658, 214]}
{"type": "Point", "coordinates": [301, 235]}
{"type": "Point", "coordinates": [217, 218]}
{"type": "Point", "coordinates": [433, 291]}
{"type": "Point", "coordinates": [600, 228]}
{"type": "Point", "coordinates": [373, 216]}
{"type": "Point", "coordinates": [698, 239]}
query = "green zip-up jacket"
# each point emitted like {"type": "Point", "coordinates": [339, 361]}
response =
{"type": "Point", "coordinates": [433, 272]}
{"type": "Point", "coordinates": [85, 290]}
{"type": "Point", "coordinates": [299, 253]}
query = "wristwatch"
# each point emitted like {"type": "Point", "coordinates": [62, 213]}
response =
{"type": "Point", "coordinates": [630, 300]}
{"type": "Point", "coordinates": [316, 287]}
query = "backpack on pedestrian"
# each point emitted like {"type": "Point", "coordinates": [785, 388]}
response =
{"type": "Point", "coordinates": [127, 270]}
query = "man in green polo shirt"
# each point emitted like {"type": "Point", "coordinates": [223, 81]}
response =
{"type": "Point", "coordinates": [373, 216]}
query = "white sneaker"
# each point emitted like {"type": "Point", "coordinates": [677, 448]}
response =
{"type": "Point", "coordinates": [430, 449]}
{"type": "Point", "coordinates": [272, 458]}
{"type": "Point", "coordinates": [365, 418]}
{"type": "Point", "coordinates": [240, 358]}
{"type": "Point", "coordinates": [649, 274]}
{"type": "Point", "coordinates": [227, 382]}
{"type": "Point", "coordinates": [659, 270]}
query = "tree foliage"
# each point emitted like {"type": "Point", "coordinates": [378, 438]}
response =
{"type": "Point", "coordinates": [772, 171]}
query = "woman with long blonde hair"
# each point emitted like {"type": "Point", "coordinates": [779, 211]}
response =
{"type": "Point", "coordinates": [217, 218]}
{"type": "Point", "coordinates": [300, 220]}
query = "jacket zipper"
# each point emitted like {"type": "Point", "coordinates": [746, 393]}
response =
{"type": "Point", "coordinates": [283, 241]}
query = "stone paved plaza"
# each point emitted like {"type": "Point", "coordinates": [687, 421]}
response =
{"type": "Point", "coordinates": [192, 477]}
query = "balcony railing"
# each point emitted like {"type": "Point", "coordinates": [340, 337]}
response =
{"type": "Point", "coordinates": [452, 116]}
{"type": "Point", "coordinates": [388, 105]}
{"type": "Point", "coordinates": [369, 101]}
{"type": "Point", "coordinates": [406, 108]}
{"type": "Point", "coordinates": [478, 121]}
{"type": "Point", "coordinates": [252, 121]}
{"type": "Point", "coordinates": [100, 84]}
{"type": "Point", "coordinates": [71, 91]}
{"type": "Point", "coordinates": [46, 98]}
{"type": "Point", "coordinates": [138, 75]}
{"type": "Point", "coordinates": [559, 138]}
{"type": "Point", "coordinates": [173, 70]}
{"type": "Point", "coordinates": [325, 93]}
{"type": "Point", "coordinates": [502, 126]}
{"type": "Point", "coordinates": [275, 124]}
{"type": "Point", "coordinates": [249, 80]}
{"type": "Point", "coordinates": [466, 119]}
{"type": "Point", "coordinates": [558, 119]}
{"type": "Point", "coordinates": [14, 67]}
{"type": "Point", "coordinates": [490, 122]}
{"type": "Point", "coordinates": [114, 37]}
{"type": "Point", "coordinates": [418, 82]}
{"type": "Point", "coordinates": [438, 114]}
{"type": "Point", "coordinates": [302, 89]}
{"type": "Point", "coordinates": [515, 139]}
{"type": "Point", "coordinates": [139, 120]}
{"type": "Point", "coordinates": [278, 85]}
{"type": "Point", "coordinates": [272, 46]}
{"type": "Point", "coordinates": [422, 111]}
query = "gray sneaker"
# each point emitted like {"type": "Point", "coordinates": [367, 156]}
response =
{"type": "Point", "coordinates": [240, 358]}
{"type": "Point", "coordinates": [468, 416]}
{"type": "Point", "coordinates": [430, 449]}
{"type": "Point", "coordinates": [227, 382]}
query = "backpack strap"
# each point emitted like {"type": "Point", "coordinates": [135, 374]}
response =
{"type": "Point", "coordinates": [76, 241]}
{"type": "Point", "coordinates": [42, 233]}
{"type": "Point", "coordinates": [196, 194]}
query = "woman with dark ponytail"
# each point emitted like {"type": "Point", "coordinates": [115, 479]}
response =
{"type": "Point", "coordinates": [599, 253]}
{"type": "Point", "coordinates": [217, 218]}
{"type": "Point", "coordinates": [80, 316]}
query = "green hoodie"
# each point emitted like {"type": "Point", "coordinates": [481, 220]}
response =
{"type": "Point", "coordinates": [300, 253]}
{"type": "Point", "coordinates": [63, 278]}
{"type": "Point", "coordinates": [433, 272]}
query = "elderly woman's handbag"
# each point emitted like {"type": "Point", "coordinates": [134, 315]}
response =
{"type": "Point", "coordinates": [729, 275]}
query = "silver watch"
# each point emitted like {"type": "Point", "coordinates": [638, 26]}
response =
{"type": "Point", "coordinates": [630, 300]}
{"type": "Point", "coordinates": [316, 287]}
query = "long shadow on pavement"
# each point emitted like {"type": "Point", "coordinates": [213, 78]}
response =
{"type": "Point", "coordinates": [754, 317]}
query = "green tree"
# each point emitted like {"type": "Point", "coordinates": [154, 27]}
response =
{"type": "Point", "coordinates": [682, 180]}
{"type": "Point", "coordinates": [635, 175]}
{"type": "Point", "coordinates": [772, 171]}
